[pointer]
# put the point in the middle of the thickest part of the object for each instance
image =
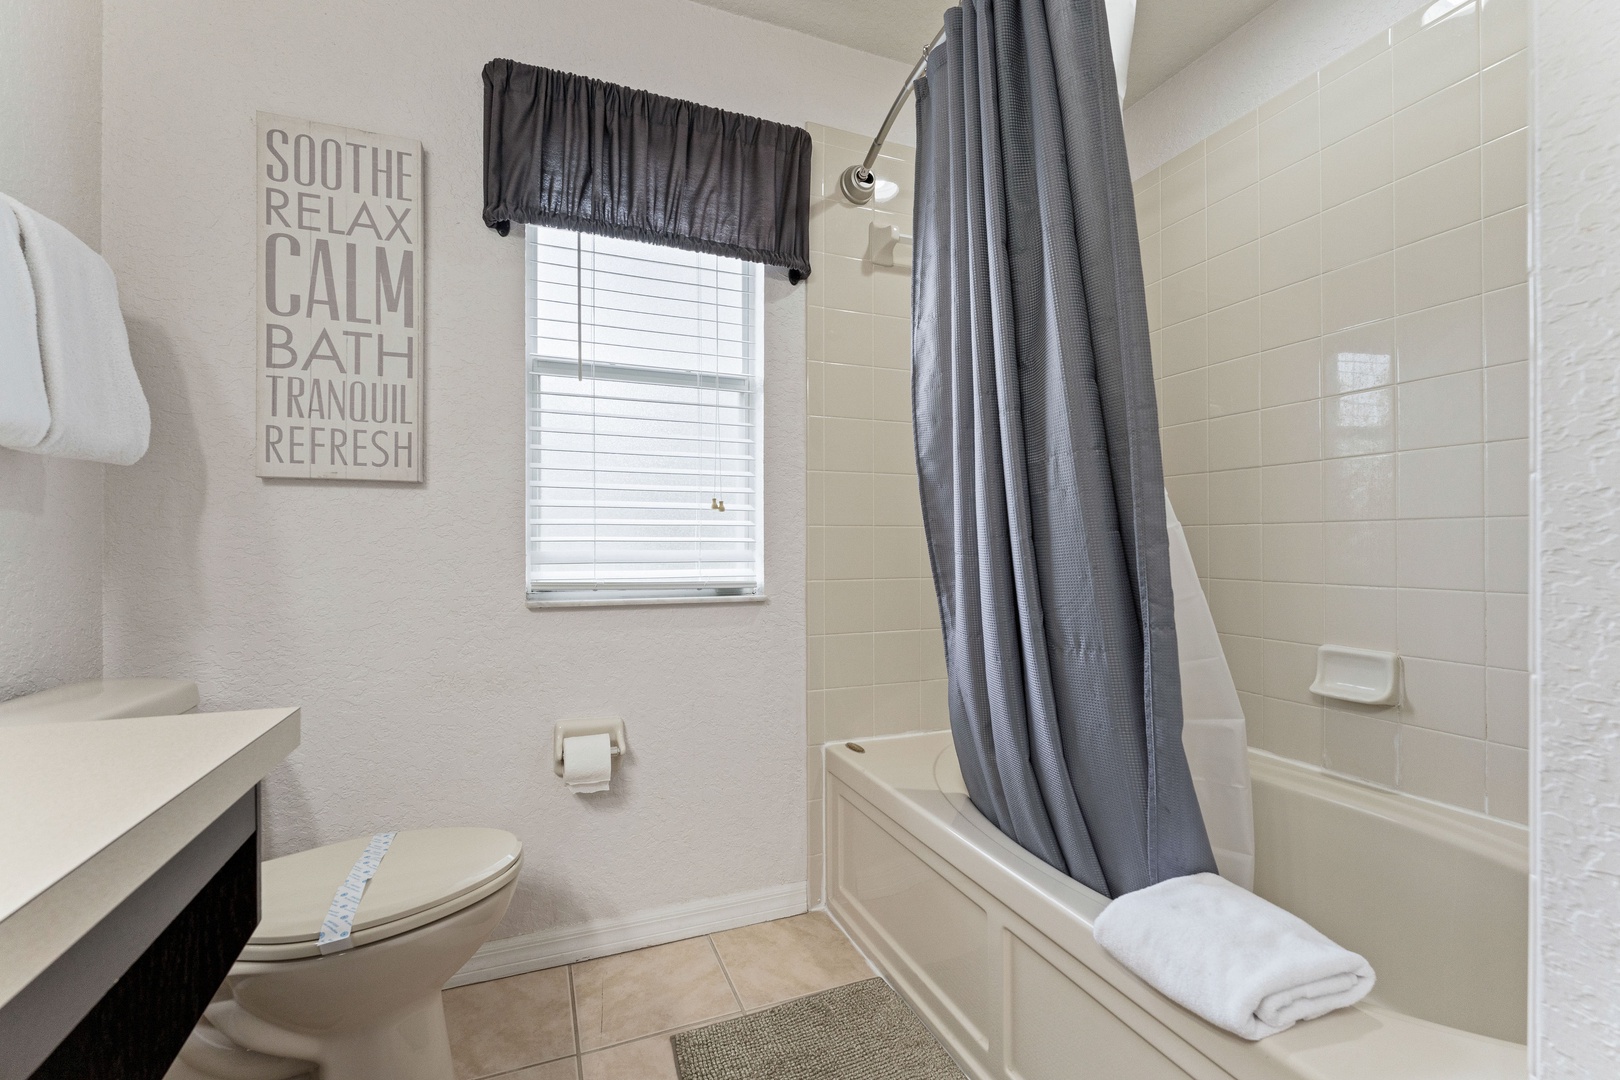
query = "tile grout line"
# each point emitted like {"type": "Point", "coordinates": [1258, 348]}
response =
{"type": "Point", "coordinates": [573, 1016]}
{"type": "Point", "coordinates": [726, 974]}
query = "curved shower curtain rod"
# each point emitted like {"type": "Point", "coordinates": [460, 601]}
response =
{"type": "Point", "coordinates": [858, 182]}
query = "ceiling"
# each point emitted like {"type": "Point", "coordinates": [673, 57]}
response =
{"type": "Point", "coordinates": [1170, 34]}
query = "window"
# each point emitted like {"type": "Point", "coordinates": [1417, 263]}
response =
{"type": "Point", "coordinates": [644, 407]}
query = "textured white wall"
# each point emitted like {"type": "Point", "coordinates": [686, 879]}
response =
{"type": "Point", "coordinates": [1285, 43]}
{"type": "Point", "coordinates": [1577, 586]}
{"type": "Point", "coordinates": [394, 614]}
{"type": "Point", "coordinates": [50, 508]}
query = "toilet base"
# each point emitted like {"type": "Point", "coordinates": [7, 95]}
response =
{"type": "Point", "coordinates": [373, 1013]}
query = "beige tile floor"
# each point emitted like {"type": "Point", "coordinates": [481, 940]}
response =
{"type": "Point", "coordinates": [610, 1019]}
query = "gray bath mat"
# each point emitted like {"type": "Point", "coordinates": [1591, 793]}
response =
{"type": "Point", "coordinates": [862, 1031]}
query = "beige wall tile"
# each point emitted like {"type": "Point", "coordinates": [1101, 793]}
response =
{"type": "Point", "coordinates": [1440, 126]}
{"type": "Point", "coordinates": [1233, 277]}
{"type": "Point", "coordinates": [1182, 244]}
{"type": "Point", "coordinates": [1292, 730]}
{"type": "Point", "coordinates": [849, 713]}
{"type": "Point", "coordinates": [1291, 433]}
{"type": "Point", "coordinates": [1443, 411]}
{"type": "Point", "coordinates": [1181, 194]}
{"type": "Point", "coordinates": [1444, 482]}
{"type": "Point", "coordinates": [1291, 314]}
{"type": "Point", "coordinates": [848, 607]}
{"type": "Point", "coordinates": [1507, 554]}
{"type": "Point", "coordinates": [1444, 52]}
{"type": "Point", "coordinates": [1290, 135]}
{"type": "Point", "coordinates": [1441, 553]}
{"type": "Point", "coordinates": [1354, 59]}
{"type": "Point", "coordinates": [1292, 612]}
{"type": "Point", "coordinates": [1358, 165]}
{"type": "Point", "coordinates": [1360, 358]}
{"type": "Point", "coordinates": [1234, 221]}
{"type": "Point", "coordinates": [1362, 618]}
{"type": "Point", "coordinates": [1507, 706]}
{"type": "Point", "coordinates": [1361, 745]}
{"type": "Point", "coordinates": [1233, 165]}
{"type": "Point", "coordinates": [1354, 425]}
{"type": "Point", "coordinates": [1506, 172]}
{"type": "Point", "coordinates": [1362, 488]}
{"type": "Point", "coordinates": [1438, 199]}
{"type": "Point", "coordinates": [1184, 296]}
{"type": "Point", "coordinates": [1507, 325]}
{"type": "Point", "coordinates": [1507, 631]}
{"type": "Point", "coordinates": [1358, 99]}
{"type": "Point", "coordinates": [1291, 194]}
{"type": "Point", "coordinates": [846, 498]}
{"type": "Point", "coordinates": [1183, 347]}
{"type": "Point", "coordinates": [1238, 606]}
{"type": "Point", "coordinates": [1437, 624]}
{"type": "Point", "coordinates": [1234, 331]}
{"type": "Point", "coordinates": [1359, 553]}
{"type": "Point", "coordinates": [1439, 270]}
{"type": "Point", "coordinates": [896, 708]}
{"type": "Point", "coordinates": [1245, 656]}
{"type": "Point", "coordinates": [1359, 294]}
{"type": "Point", "coordinates": [1506, 250]}
{"type": "Point", "coordinates": [1234, 551]}
{"type": "Point", "coordinates": [1440, 340]}
{"type": "Point", "coordinates": [1444, 767]}
{"type": "Point", "coordinates": [1289, 256]}
{"type": "Point", "coordinates": [1234, 443]}
{"type": "Point", "coordinates": [1291, 492]}
{"type": "Point", "coordinates": [1507, 471]}
{"type": "Point", "coordinates": [1506, 97]}
{"type": "Point", "coordinates": [1234, 386]}
{"type": "Point", "coordinates": [1183, 398]}
{"type": "Point", "coordinates": [1507, 783]}
{"type": "Point", "coordinates": [1234, 497]}
{"type": "Point", "coordinates": [1504, 29]}
{"type": "Point", "coordinates": [1358, 229]}
{"type": "Point", "coordinates": [1292, 553]}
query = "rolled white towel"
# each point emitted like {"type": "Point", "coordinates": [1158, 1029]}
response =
{"type": "Point", "coordinates": [1240, 962]}
{"type": "Point", "coordinates": [25, 413]}
{"type": "Point", "coordinates": [98, 411]}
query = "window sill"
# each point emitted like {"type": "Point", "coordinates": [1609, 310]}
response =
{"type": "Point", "coordinates": [645, 601]}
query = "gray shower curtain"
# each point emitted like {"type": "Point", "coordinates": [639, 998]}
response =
{"type": "Point", "coordinates": [1038, 449]}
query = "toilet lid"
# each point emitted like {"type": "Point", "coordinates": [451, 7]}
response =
{"type": "Point", "coordinates": [424, 869]}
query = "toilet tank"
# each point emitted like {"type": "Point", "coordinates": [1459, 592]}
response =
{"type": "Point", "coordinates": [101, 699]}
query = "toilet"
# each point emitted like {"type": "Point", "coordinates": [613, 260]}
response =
{"type": "Point", "coordinates": [370, 1012]}
{"type": "Point", "coordinates": [374, 1011]}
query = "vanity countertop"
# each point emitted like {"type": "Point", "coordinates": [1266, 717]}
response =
{"type": "Point", "coordinates": [89, 810]}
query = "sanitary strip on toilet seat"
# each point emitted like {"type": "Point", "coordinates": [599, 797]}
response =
{"type": "Point", "coordinates": [339, 921]}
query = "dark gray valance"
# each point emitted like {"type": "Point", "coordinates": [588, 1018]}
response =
{"type": "Point", "coordinates": [578, 153]}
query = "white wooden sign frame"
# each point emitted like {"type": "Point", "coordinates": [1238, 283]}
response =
{"type": "Point", "coordinates": [340, 264]}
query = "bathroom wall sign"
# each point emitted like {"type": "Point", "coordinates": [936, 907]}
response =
{"type": "Point", "coordinates": [340, 346]}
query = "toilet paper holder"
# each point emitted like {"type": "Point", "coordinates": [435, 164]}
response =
{"type": "Point", "coordinates": [568, 729]}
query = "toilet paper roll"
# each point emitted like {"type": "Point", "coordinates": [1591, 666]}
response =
{"type": "Point", "coordinates": [587, 763]}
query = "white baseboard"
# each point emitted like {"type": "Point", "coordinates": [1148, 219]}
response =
{"type": "Point", "coordinates": [551, 948]}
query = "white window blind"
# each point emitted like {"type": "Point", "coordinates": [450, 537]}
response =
{"type": "Point", "coordinates": [644, 406]}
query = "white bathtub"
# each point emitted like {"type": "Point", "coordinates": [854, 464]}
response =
{"type": "Point", "coordinates": [993, 948]}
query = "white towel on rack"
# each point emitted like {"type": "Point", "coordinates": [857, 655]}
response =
{"type": "Point", "coordinates": [25, 413]}
{"type": "Point", "coordinates": [97, 409]}
{"type": "Point", "coordinates": [1240, 962]}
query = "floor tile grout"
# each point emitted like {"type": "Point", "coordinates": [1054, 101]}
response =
{"type": "Point", "coordinates": [725, 971]}
{"type": "Point", "coordinates": [579, 1053]}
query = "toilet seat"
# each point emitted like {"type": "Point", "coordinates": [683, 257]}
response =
{"type": "Point", "coordinates": [427, 875]}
